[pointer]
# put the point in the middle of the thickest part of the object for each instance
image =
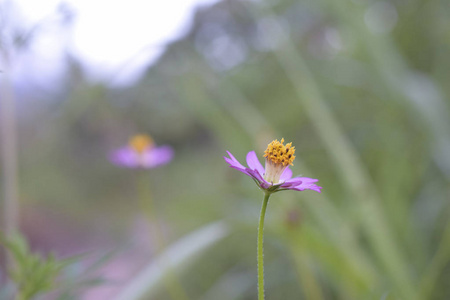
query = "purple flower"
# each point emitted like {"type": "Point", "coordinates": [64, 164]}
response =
{"type": "Point", "coordinates": [276, 176]}
{"type": "Point", "coordinates": [141, 152]}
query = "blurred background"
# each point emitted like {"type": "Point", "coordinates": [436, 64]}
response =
{"type": "Point", "coordinates": [360, 87]}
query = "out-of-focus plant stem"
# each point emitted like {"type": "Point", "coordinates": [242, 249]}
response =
{"type": "Point", "coordinates": [19, 296]}
{"type": "Point", "coordinates": [436, 266]}
{"type": "Point", "coordinates": [310, 285]}
{"type": "Point", "coordinates": [10, 207]}
{"type": "Point", "coordinates": [173, 285]}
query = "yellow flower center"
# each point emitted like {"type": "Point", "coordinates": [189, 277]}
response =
{"type": "Point", "coordinates": [140, 143]}
{"type": "Point", "coordinates": [278, 153]}
{"type": "Point", "coordinates": [278, 158]}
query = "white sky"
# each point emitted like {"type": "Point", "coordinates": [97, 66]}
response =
{"type": "Point", "coordinates": [107, 34]}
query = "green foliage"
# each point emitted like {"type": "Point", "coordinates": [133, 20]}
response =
{"type": "Point", "coordinates": [32, 273]}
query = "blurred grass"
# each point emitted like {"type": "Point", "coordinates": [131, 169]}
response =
{"type": "Point", "coordinates": [367, 112]}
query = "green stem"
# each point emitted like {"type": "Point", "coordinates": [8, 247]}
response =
{"type": "Point", "coordinates": [19, 296]}
{"type": "Point", "coordinates": [173, 285]}
{"type": "Point", "coordinates": [436, 267]}
{"type": "Point", "coordinates": [9, 160]}
{"type": "Point", "coordinates": [261, 248]}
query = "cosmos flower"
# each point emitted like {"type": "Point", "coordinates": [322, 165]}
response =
{"type": "Point", "coordinates": [276, 176]}
{"type": "Point", "coordinates": [141, 152]}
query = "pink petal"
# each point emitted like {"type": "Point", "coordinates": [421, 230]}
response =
{"type": "Point", "coordinates": [301, 184]}
{"type": "Point", "coordinates": [262, 182]}
{"type": "Point", "coordinates": [291, 183]}
{"type": "Point", "coordinates": [236, 162]}
{"type": "Point", "coordinates": [286, 175]}
{"type": "Point", "coordinates": [306, 186]}
{"type": "Point", "coordinates": [303, 179]}
{"type": "Point", "coordinates": [157, 156]}
{"type": "Point", "coordinates": [243, 170]}
{"type": "Point", "coordinates": [253, 162]}
{"type": "Point", "coordinates": [124, 157]}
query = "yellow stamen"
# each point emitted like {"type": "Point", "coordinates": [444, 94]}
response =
{"type": "Point", "coordinates": [278, 153]}
{"type": "Point", "coordinates": [140, 143]}
{"type": "Point", "coordinates": [278, 158]}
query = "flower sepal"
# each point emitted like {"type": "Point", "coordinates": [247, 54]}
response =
{"type": "Point", "coordinates": [273, 188]}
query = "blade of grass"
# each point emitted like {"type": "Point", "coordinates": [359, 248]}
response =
{"type": "Point", "coordinates": [241, 282]}
{"type": "Point", "coordinates": [437, 265]}
{"type": "Point", "coordinates": [307, 278]}
{"type": "Point", "coordinates": [8, 129]}
{"type": "Point", "coordinates": [177, 255]}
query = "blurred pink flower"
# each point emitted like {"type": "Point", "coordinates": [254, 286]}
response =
{"type": "Point", "coordinates": [141, 152]}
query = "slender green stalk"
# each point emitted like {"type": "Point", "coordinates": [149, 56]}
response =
{"type": "Point", "coordinates": [436, 266]}
{"type": "Point", "coordinates": [19, 296]}
{"type": "Point", "coordinates": [8, 137]}
{"type": "Point", "coordinates": [173, 285]}
{"type": "Point", "coordinates": [261, 248]}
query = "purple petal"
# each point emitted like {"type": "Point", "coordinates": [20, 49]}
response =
{"type": "Point", "coordinates": [262, 182]}
{"type": "Point", "coordinates": [292, 182]}
{"type": "Point", "coordinates": [243, 170]}
{"type": "Point", "coordinates": [249, 172]}
{"type": "Point", "coordinates": [233, 163]}
{"type": "Point", "coordinates": [286, 175]}
{"type": "Point", "coordinates": [125, 157]}
{"type": "Point", "coordinates": [265, 185]}
{"type": "Point", "coordinates": [306, 186]}
{"type": "Point", "coordinates": [234, 160]}
{"type": "Point", "coordinates": [155, 157]}
{"type": "Point", "coordinates": [253, 162]}
{"type": "Point", "coordinates": [255, 171]}
{"type": "Point", "coordinates": [301, 184]}
{"type": "Point", "coordinates": [307, 179]}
